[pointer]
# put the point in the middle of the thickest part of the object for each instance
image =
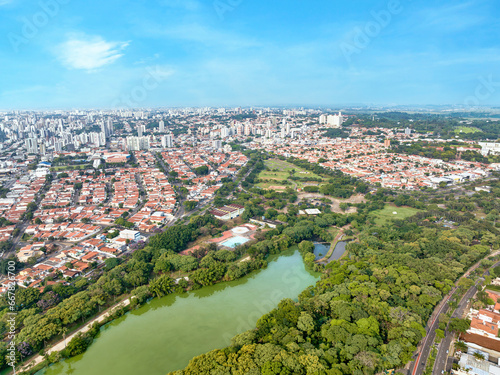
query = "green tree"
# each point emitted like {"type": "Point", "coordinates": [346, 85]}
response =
{"type": "Point", "coordinates": [162, 286]}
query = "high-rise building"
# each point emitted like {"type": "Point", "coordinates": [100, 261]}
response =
{"type": "Point", "coordinates": [239, 129]}
{"type": "Point", "coordinates": [217, 144]}
{"type": "Point", "coordinates": [109, 128]}
{"type": "Point", "coordinates": [140, 130]}
{"type": "Point", "coordinates": [248, 129]}
{"type": "Point", "coordinates": [387, 143]}
{"type": "Point", "coordinates": [335, 121]}
{"type": "Point", "coordinates": [104, 129]}
{"type": "Point", "coordinates": [43, 150]}
{"type": "Point", "coordinates": [57, 146]}
{"type": "Point", "coordinates": [166, 141]}
{"type": "Point", "coordinates": [161, 126]}
{"type": "Point", "coordinates": [408, 131]}
{"type": "Point", "coordinates": [31, 146]}
{"type": "Point", "coordinates": [137, 143]}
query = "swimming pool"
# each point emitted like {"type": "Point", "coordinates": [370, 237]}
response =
{"type": "Point", "coordinates": [235, 241]}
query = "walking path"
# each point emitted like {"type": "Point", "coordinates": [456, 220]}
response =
{"type": "Point", "coordinates": [328, 255]}
{"type": "Point", "coordinates": [62, 344]}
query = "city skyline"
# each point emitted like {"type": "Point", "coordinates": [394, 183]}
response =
{"type": "Point", "coordinates": [57, 54]}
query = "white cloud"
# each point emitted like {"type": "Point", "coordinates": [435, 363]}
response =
{"type": "Point", "coordinates": [89, 52]}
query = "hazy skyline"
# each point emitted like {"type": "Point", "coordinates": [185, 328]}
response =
{"type": "Point", "coordinates": [104, 54]}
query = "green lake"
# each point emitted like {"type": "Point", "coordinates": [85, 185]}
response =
{"type": "Point", "coordinates": [166, 333]}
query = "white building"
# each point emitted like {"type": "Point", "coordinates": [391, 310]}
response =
{"type": "Point", "coordinates": [472, 366]}
{"type": "Point", "coordinates": [489, 148]}
{"type": "Point", "coordinates": [132, 235]}
{"type": "Point", "coordinates": [31, 146]}
{"type": "Point", "coordinates": [217, 144]}
{"type": "Point", "coordinates": [137, 143]}
{"type": "Point", "coordinates": [335, 121]}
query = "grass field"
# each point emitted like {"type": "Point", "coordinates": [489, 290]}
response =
{"type": "Point", "coordinates": [467, 129]}
{"type": "Point", "coordinates": [71, 167]}
{"type": "Point", "coordinates": [283, 174]}
{"type": "Point", "coordinates": [386, 215]}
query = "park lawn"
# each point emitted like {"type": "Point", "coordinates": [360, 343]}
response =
{"type": "Point", "coordinates": [467, 129]}
{"type": "Point", "coordinates": [386, 215]}
{"type": "Point", "coordinates": [282, 174]}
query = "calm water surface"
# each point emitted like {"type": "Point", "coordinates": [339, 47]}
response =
{"type": "Point", "coordinates": [166, 333]}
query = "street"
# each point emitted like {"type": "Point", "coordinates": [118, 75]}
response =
{"type": "Point", "coordinates": [418, 367]}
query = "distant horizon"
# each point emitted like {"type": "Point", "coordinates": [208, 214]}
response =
{"type": "Point", "coordinates": [352, 107]}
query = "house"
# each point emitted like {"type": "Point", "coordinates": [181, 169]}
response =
{"type": "Point", "coordinates": [29, 251]}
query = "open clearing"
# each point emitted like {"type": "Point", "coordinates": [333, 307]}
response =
{"type": "Point", "coordinates": [467, 129]}
{"type": "Point", "coordinates": [280, 171]}
{"type": "Point", "coordinates": [387, 214]}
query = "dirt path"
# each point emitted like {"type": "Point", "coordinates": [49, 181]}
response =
{"type": "Point", "coordinates": [62, 344]}
{"type": "Point", "coordinates": [332, 247]}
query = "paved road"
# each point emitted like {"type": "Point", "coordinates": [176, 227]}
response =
{"type": "Point", "coordinates": [418, 367]}
{"type": "Point", "coordinates": [442, 363]}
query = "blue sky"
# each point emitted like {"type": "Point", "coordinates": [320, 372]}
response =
{"type": "Point", "coordinates": [141, 53]}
